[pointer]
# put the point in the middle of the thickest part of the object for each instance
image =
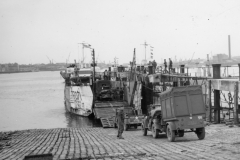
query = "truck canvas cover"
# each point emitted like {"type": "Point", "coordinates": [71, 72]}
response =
{"type": "Point", "coordinates": [182, 101]}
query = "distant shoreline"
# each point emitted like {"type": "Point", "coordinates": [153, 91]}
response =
{"type": "Point", "coordinates": [25, 71]}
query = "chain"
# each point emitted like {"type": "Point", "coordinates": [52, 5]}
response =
{"type": "Point", "coordinates": [230, 98]}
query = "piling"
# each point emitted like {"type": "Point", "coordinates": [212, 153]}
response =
{"type": "Point", "coordinates": [229, 46]}
{"type": "Point", "coordinates": [236, 109]}
{"type": "Point", "coordinates": [239, 71]}
{"type": "Point", "coordinates": [216, 75]}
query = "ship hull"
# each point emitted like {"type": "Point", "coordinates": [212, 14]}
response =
{"type": "Point", "coordinates": [78, 100]}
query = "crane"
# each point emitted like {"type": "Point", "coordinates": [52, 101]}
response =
{"type": "Point", "coordinates": [189, 61]}
{"type": "Point", "coordinates": [68, 57]}
{"type": "Point", "coordinates": [49, 59]}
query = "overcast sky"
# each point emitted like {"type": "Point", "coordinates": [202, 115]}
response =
{"type": "Point", "coordinates": [31, 30]}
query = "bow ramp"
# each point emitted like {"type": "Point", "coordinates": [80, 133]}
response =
{"type": "Point", "coordinates": [106, 112]}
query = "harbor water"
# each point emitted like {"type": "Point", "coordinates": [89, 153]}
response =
{"type": "Point", "coordinates": [35, 100]}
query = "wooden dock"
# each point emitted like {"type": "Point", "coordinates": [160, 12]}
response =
{"type": "Point", "coordinates": [221, 142]}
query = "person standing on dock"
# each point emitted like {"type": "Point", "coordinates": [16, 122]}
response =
{"type": "Point", "coordinates": [165, 65]}
{"type": "Point", "coordinates": [120, 121]}
{"type": "Point", "coordinates": [170, 65]}
{"type": "Point", "coordinates": [105, 76]}
{"type": "Point", "coordinates": [154, 64]}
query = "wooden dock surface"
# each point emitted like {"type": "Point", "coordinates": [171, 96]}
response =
{"type": "Point", "coordinates": [221, 142]}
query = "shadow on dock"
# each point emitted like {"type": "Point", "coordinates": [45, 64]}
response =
{"type": "Point", "coordinates": [76, 121]}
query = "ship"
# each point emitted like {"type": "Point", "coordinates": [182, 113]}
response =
{"type": "Point", "coordinates": [78, 96]}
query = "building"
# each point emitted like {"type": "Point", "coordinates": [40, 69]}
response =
{"type": "Point", "coordinates": [220, 58]}
{"type": "Point", "coordinates": [4, 68]}
{"type": "Point", "coordinates": [13, 67]}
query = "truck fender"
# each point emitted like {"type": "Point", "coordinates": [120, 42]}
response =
{"type": "Point", "coordinates": [172, 125]}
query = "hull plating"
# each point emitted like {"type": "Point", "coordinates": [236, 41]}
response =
{"type": "Point", "coordinates": [78, 100]}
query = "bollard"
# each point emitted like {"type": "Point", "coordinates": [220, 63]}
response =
{"type": "Point", "coordinates": [216, 75]}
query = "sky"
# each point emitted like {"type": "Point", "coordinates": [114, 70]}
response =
{"type": "Point", "coordinates": [35, 31]}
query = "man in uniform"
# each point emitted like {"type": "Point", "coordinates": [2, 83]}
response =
{"type": "Point", "coordinates": [170, 65]}
{"type": "Point", "coordinates": [105, 75]}
{"type": "Point", "coordinates": [165, 65]}
{"type": "Point", "coordinates": [120, 121]}
{"type": "Point", "coordinates": [154, 64]}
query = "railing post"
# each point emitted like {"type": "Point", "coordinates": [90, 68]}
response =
{"type": "Point", "coordinates": [210, 99]}
{"type": "Point", "coordinates": [236, 109]}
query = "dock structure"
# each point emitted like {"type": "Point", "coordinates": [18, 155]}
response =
{"type": "Point", "coordinates": [217, 85]}
{"type": "Point", "coordinates": [213, 90]}
{"type": "Point", "coordinates": [221, 142]}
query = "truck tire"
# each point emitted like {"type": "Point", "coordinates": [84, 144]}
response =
{"type": "Point", "coordinates": [125, 127]}
{"type": "Point", "coordinates": [144, 130]}
{"type": "Point", "coordinates": [181, 133]}
{"type": "Point", "coordinates": [200, 133]}
{"type": "Point", "coordinates": [170, 134]}
{"type": "Point", "coordinates": [155, 132]}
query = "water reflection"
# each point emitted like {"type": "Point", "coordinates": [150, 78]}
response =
{"type": "Point", "coordinates": [79, 121]}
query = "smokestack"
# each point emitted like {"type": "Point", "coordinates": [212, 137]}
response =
{"type": "Point", "coordinates": [229, 47]}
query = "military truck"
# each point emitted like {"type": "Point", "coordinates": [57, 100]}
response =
{"type": "Point", "coordinates": [182, 110]}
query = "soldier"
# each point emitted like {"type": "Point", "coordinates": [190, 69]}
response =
{"type": "Point", "coordinates": [165, 65]}
{"type": "Point", "coordinates": [120, 121]}
{"type": "Point", "coordinates": [170, 65]}
{"type": "Point", "coordinates": [105, 75]}
{"type": "Point", "coordinates": [154, 63]}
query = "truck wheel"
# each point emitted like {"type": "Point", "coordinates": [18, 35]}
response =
{"type": "Point", "coordinates": [181, 133]}
{"type": "Point", "coordinates": [155, 132]}
{"type": "Point", "coordinates": [125, 127]}
{"type": "Point", "coordinates": [200, 133]}
{"type": "Point", "coordinates": [144, 130]}
{"type": "Point", "coordinates": [170, 134]}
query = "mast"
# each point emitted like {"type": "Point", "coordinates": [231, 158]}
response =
{"type": "Point", "coordinates": [145, 45]}
{"type": "Point", "coordinates": [84, 45]}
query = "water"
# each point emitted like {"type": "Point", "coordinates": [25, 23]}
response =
{"type": "Point", "coordinates": [35, 100]}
